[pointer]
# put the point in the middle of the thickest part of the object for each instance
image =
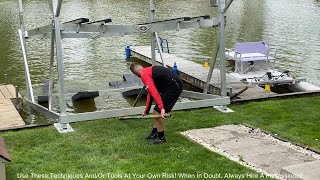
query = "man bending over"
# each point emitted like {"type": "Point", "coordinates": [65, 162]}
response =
{"type": "Point", "coordinates": [165, 87]}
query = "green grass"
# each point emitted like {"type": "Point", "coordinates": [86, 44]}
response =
{"type": "Point", "coordinates": [113, 146]}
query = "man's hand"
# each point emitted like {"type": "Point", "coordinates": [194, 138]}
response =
{"type": "Point", "coordinates": [143, 115]}
{"type": "Point", "coordinates": [163, 113]}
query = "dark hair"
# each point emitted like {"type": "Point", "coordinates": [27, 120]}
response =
{"type": "Point", "coordinates": [133, 66]}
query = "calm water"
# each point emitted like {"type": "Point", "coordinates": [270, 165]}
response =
{"type": "Point", "coordinates": [292, 28]}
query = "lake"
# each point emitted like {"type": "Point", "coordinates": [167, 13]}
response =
{"type": "Point", "coordinates": [292, 28]}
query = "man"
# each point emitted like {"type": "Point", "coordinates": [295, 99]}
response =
{"type": "Point", "coordinates": [164, 87]}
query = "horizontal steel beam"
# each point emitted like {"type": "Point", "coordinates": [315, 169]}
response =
{"type": "Point", "coordinates": [68, 118]}
{"type": "Point", "coordinates": [96, 30]}
{"type": "Point", "coordinates": [222, 101]}
{"type": "Point", "coordinates": [197, 95]}
{"type": "Point", "coordinates": [100, 114]}
{"type": "Point", "coordinates": [147, 28]}
{"type": "Point", "coordinates": [41, 31]}
{"type": "Point", "coordinates": [44, 110]}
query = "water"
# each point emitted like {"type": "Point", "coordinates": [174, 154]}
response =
{"type": "Point", "coordinates": [292, 28]}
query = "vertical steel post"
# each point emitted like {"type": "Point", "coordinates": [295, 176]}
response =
{"type": "Point", "coordinates": [152, 18]}
{"type": "Point", "coordinates": [160, 50]}
{"type": "Point", "coordinates": [55, 6]}
{"type": "Point", "coordinates": [51, 69]}
{"type": "Point", "coordinates": [213, 62]}
{"type": "Point", "coordinates": [57, 30]}
{"type": "Point", "coordinates": [221, 6]}
{"type": "Point", "coordinates": [58, 9]}
{"type": "Point", "coordinates": [21, 32]}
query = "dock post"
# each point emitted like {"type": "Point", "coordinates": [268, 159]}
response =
{"type": "Point", "coordinates": [128, 52]}
{"type": "Point", "coordinates": [152, 18]}
{"type": "Point", "coordinates": [17, 92]}
{"type": "Point", "coordinates": [230, 92]}
{"type": "Point", "coordinates": [6, 79]}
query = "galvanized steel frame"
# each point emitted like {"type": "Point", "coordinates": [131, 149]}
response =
{"type": "Point", "coordinates": [59, 31]}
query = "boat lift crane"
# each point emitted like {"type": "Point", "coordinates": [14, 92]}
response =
{"type": "Point", "coordinates": [83, 28]}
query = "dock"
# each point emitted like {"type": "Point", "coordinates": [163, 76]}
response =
{"type": "Point", "coordinates": [9, 116]}
{"type": "Point", "coordinates": [196, 74]}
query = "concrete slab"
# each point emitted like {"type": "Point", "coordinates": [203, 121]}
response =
{"type": "Point", "coordinates": [305, 171]}
{"type": "Point", "coordinates": [258, 150]}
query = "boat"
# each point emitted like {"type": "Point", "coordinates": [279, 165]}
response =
{"type": "Point", "coordinates": [254, 63]}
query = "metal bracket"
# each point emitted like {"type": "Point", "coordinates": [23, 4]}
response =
{"type": "Point", "coordinates": [63, 128]}
{"type": "Point", "coordinates": [223, 109]}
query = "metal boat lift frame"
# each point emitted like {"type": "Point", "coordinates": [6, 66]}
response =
{"type": "Point", "coordinates": [82, 28]}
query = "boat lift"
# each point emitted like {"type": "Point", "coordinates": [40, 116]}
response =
{"type": "Point", "coordinates": [83, 28]}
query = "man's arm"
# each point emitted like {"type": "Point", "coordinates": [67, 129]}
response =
{"type": "Point", "coordinates": [148, 104]}
{"type": "Point", "coordinates": [152, 90]}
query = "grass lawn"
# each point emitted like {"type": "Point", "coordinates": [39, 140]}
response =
{"type": "Point", "coordinates": [114, 147]}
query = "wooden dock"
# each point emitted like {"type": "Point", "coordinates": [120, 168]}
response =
{"type": "Point", "coordinates": [196, 74]}
{"type": "Point", "coordinates": [9, 116]}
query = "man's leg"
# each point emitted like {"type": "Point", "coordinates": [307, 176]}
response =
{"type": "Point", "coordinates": [153, 134]}
{"type": "Point", "coordinates": [169, 99]}
{"type": "Point", "coordinates": [159, 122]}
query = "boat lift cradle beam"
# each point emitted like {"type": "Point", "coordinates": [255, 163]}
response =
{"type": "Point", "coordinates": [71, 30]}
{"type": "Point", "coordinates": [205, 101]}
{"type": "Point", "coordinates": [57, 31]}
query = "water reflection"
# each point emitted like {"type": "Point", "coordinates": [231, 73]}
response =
{"type": "Point", "coordinates": [84, 106]}
{"type": "Point", "coordinates": [250, 18]}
